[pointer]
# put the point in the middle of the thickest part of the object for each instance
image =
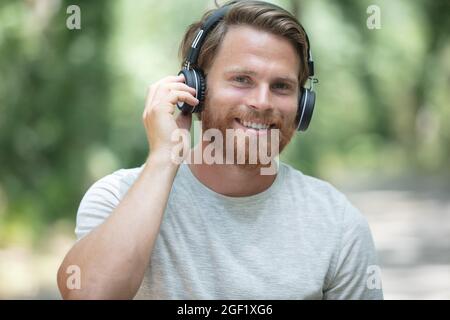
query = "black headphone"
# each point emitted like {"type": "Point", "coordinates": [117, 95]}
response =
{"type": "Point", "coordinates": [195, 77]}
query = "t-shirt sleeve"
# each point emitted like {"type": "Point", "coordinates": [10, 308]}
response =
{"type": "Point", "coordinates": [97, 204]}
{"type": "Point", "coordinates": [356, 272]}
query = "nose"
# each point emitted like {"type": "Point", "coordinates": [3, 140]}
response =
{"type": "Point", "coordinates": [260, 98]}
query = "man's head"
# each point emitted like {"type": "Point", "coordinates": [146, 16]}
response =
{"type": "Point", "coordinates": [255, 61]}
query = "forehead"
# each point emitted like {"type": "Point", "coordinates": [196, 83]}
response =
{"type": "Point", "coordinates": [248, 47]}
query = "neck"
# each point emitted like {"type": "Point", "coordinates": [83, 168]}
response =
{"type": "Point", "coordinates": [230, 179]}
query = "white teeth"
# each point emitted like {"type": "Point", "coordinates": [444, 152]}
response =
{"type": "Point", "coordinates": [253, 125]}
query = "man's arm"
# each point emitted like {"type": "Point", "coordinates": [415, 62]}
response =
{"type": "Point", "coordinates": [113, 257]}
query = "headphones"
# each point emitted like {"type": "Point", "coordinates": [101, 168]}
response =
{"type": "Point", "coordinates": [195, 77]}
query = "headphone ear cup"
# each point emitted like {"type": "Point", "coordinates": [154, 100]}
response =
{"type": "Point", "coordinates": [201, 92]}
{"type": "Point", "coordinates": [305, 108]}
{"type": "Point", "coordinates": [194, 79]}
{"type": "Point", "coordinates": [189, 81]}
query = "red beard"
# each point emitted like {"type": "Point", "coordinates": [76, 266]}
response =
{"type": "Point", "coordinates": [285, 125]}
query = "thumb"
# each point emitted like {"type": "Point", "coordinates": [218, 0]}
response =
{"type": "Point", "coordinates": [184, 120]}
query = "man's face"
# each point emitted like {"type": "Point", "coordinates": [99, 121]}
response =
{"type": "Point", "coordinates": [253, 78]}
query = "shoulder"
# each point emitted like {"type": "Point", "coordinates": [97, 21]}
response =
{"type": "Point", "coordinates": [311, 188]}
{"type": "Point", "coordinates": [116, 183]}
{"type": "Point", "coordinates": [102, 198]}
{"type": "Point", "coordinates": [321, 197]}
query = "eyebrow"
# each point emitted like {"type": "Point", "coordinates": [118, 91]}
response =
{"type": "Point", "coordinates": [249, 72]}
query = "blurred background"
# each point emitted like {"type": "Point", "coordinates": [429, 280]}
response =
{"type": "Point", "coordinates": [71, 103]}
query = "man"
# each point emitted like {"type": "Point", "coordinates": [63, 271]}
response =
{"type": "Point", "coordinates": [199, 230]}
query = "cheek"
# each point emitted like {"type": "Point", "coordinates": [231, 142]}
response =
{"type": "Point", "coordinates": [287, 106]}
{"type": "Point", "coordinates": [229, 96]}
{"type": "Point", "coordinates": [221, 101]}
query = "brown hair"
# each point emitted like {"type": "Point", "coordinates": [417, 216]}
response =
{"type": "Point", "coordinates": [259, 14]}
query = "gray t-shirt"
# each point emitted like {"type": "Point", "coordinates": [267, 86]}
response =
{"type": "Point", "coordinates": [298, 239]}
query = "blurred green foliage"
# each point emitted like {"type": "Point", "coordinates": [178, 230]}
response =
{"type": "Point", "coordinates": [71, 100]}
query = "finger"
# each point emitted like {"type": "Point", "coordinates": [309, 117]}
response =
{"type": "Point", "coordinates": [163, 108]}
{"type": "Point", "coordinates": [150, 95]}
{"type": "Point", "coordinates": [184, 120]}
{"type": "Point", "coordinates": [182, 96]}
{"type": "Point", "coordinates": [168, 79]}
{"type": "Point", "coordinates": [181, 87]}
{"type": "Point", "coordinates": [144, 115]}
{"type": "Point", "coordinates": [171, 80]}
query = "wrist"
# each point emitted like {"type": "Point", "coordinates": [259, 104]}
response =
{"type": "Point", "coordinates": [162, 159]}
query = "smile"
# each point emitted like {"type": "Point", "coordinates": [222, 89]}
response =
{"type": "Point", "coordinates": [254, 125]}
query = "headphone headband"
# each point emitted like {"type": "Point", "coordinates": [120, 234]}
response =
{"type": "Point", "coordinates": [209, 24]}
